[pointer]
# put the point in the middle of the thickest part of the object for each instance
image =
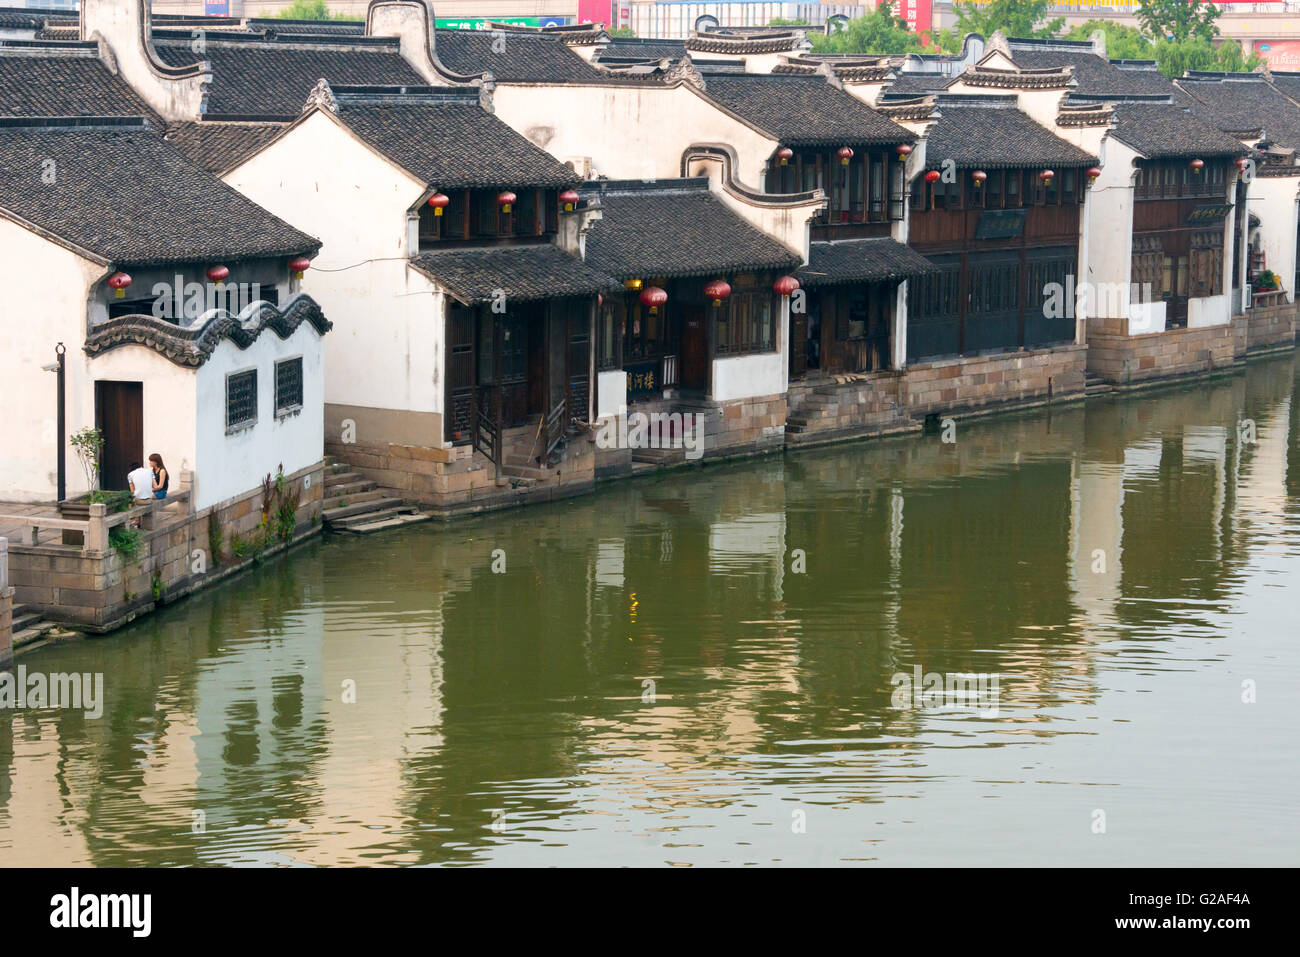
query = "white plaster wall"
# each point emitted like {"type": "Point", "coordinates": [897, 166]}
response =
{"type": "Point", "coordinates": [1109, 214]}
{"type": "Point", "coordinates": [1208, 311]}
{"type": "Point", "coordinates": [629, 132]}
{"type": "Point", "coordinates": [118, 24]}
{"type": "Point", "coordinates": [741, 377]}
{"type": "Point", "coordinates": [385, 351]}
{"type": "Point", "coordinates": [1273, 200]}
{"type": "Point", "coordinates": [28, 467]}
{"type": "Point", "coordinates": [1144, 317]}
{"type": "Point", "coordinates": [169, 399]}
{"type": "Point", "coordinates": [230, 465]}
{"type": "Point", "coordinates": [611, 393]}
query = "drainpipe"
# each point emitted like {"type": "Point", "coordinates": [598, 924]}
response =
{"type": "Point", "coordinates": [58, 367]}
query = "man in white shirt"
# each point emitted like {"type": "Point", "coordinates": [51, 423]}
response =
{"type": "Point", "coordinates": [141, 481]}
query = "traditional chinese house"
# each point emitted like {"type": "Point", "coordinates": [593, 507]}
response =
{"type": "Point", "coordinates": [1251, 109]}
{"type": "Point", "coordinates": [1161, 212]}
{"type": "Point", "coordinates": [700, 324]}
{"type": "Point", "coordinates": [997, 206]}
{"type": "Point", "coordinates": [452, 268]}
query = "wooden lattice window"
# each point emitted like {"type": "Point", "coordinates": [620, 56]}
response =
{"type": "Point", "coordinates": [241, 399]}
{"type": "Point", "coordinates": [288, 385]}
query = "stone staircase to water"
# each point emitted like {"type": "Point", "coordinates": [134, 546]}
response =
{"type": "Point", "coordinates": [29, 626]}
{"type": "Point", "coordinates": [842, 403]}
{"type": "Point", "coordinates": [1095, 385]}
{"type": "Point", "coordinates": [356, 504]}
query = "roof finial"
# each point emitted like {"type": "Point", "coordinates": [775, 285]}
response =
{"type": "Point", "coordinates": [321, 97]}
{"type": "Point", "coordinates": [684, 70]}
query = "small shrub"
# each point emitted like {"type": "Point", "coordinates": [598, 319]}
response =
{"type": "Point", "coordinates": [216, 538]}
{"type": "Point", "coordinates": [127, 542]}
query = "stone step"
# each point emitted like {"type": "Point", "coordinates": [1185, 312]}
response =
{"type": "Point", "coordinates": [357, 487]}
{"type": "Point", "coordinates": [25, 619]}
{"type": "Point", "coordinates": [396, 521]}
{"type": "Point", "coordinates": [524, 471]}
{"type": "Point", "coordinates": [356, 498]}
{"type": "Point", "coordinates": [32, 633]}
{"type": "Point", "coordinates": [361, 508]}
{"type": "Point", "coordinates": [375, 515]}
{"type": "Point", "coordinates": [515, 481]}
{"type": "Point", "coordinates": [342, 474]}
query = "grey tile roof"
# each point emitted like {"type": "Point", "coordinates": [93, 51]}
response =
{"type": "Point", "coordinates": [275, 25]}
{"type": "Point", "coordinates": [675, 228]}
{"type": "Point", "coordinates": [257, 78]}
{"type": "Point", "coordinates": [1243, 102]}
{"type": "Point", "coordinates": [125, 195]}
{"type": "Point", "coordinates": [1166, 130]}
{"type": "Point", "coordinates": [191, 346]}
{"type": "Point", "coordinates": [1094, 74]}
{"type": "Point", "coordinates": [1288, 83]}
{"type": "Point", "coordinates": [881, 259]}
{"type": "Point", "coordinates": [21, 18]}
{"type": "Point", "coordinates": [918, 84]}
{"type": "Point", "coordinates": [218, 146]}
{"type": "Point", "coordinates": [519, 57]}
{"type": "Point", "coordinates": [638, 49]}
{"type": "Point", "coordinates": [455, 146]}
{"type": "Point", "coordinates": [991, 133]}
{"type": "Point", "coordinates": [800, 110]}
{"type": "Point", "coordinates": [479, 274]}
{"type": "Point", "coordinates": [67, 82]}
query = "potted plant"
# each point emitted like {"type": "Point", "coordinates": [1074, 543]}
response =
{"type": "Point", "coordinates": [88, 444]}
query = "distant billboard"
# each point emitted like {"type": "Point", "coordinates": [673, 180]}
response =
{"type": "Point", "coordinates": [596, 11]}
{"type": "Point", "coordinates": [917, 13]}
{"type": "Point", "coordinates": [481, 23]}
{"type": "Point", "coordinates": [216, 8]}
{"type": "Point", "coordinates": [1279, 54]}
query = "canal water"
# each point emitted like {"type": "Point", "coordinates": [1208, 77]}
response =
{"type": "Point", "coordinates": [701, 668]}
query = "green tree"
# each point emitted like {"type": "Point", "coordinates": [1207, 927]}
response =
{"type": "Point", "coordinates": [1122, 42]}
{"type": "Point", "coordinates": [1179, 20]}
{"type": "Point", "coordinates": [622, 32]}
{"type": "Point", "coordinates": [879, 31]}
{"type": "Point", "coordinates": [1015, 18]}
{"type": "Point", "coordinates": [311, 10]}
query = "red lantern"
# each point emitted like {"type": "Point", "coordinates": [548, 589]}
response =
{"type": "Point", "coordinates": [570, 199]}
{"type": "Point", "coordinates": [785, 154]}
{"type": "Point", "coordinates": [785, 286]}
{"type": "Point", "coordinates": [979, 176]}
{"type": "Point", "coordinates": [904, 150]}
{"type": "Point", "coordinates": [1093, 174]}
{"type": "Point", "coordinates": [1197, 165]}
{"type": "Point", "coordinates": [299, 266]}
{"type": "Point", "coordinates": [600, 300]}
{"type": "Point", "coordinates": [932, 176]}
{"type": "Point", "coordinates": [1046, 176]}
{"type": "Point", "coordinates": [717, 291]}
{"type": "Point", "coordinates": [504, 200]}
{"type": "Point", "coordinates": [438, 201]}
{"type": "Point", "coordinates": [217, 274]}
{"type": "Point", "coordinates": [118, 283]}
{"type": "Point", "coordinates": [1243, 164]}
{"type": "Point", "coordinates": [845, 154]}
{"type": "Point", "coordinates": [654, 297]}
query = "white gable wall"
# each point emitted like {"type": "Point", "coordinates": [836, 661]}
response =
{"type": "Point", "coordinates": [386, 346]}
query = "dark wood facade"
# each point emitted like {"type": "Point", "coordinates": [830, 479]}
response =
{"type": "Point", "coordinates": [674, 345]}
{"type": "Point", "coordinates": [864, 196]}
{"type": "Point", "coordinates": [1002, 248]}
{"type": "Point", "coordinates": [476, 216]}
{"type": "Point", "coordinates": [517, 365]}
{"type": "Point", "coordinates": [1178, 233]}
{"type": "Point", "coordinates": [843, 329]}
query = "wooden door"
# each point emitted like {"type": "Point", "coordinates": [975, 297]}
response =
{"type": "Point", "coordinates": [519, 347]}
{"type": "Point", "coordinates": [798, 344]}
{"type": "Point", "coordinates": [579, 359]}
{"type": "Point", "coordinates": [557, 347]}
{"type": "Point", "coordinates": [695, 349]}
{"type": "Point", "coordinates": [119, 416]}
{"type": "Point", "coordinates": [458, 424]}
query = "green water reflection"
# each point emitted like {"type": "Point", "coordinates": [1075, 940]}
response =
{"type": "Point", "coordinates": [506, 718]}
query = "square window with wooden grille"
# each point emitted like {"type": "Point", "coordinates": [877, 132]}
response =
{"type": "Point", "coordinates": [241, 399]}
{"type": "Point", "coordinates": [288, 385]}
